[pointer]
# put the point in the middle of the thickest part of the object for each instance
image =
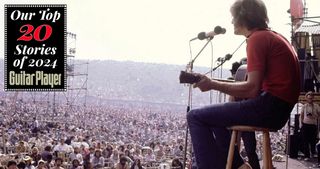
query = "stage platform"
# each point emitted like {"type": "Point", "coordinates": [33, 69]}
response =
{"type": "Point", "coordinates": [298, 163]}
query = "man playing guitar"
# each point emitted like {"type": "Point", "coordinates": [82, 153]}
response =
{"type": "Point", "coordinates": [239, 73]}
{"type": "Point", "coordinates": [272, 89]}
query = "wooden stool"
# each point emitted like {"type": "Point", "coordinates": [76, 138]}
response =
{"type": "Point", "coordinates": [235, 140]}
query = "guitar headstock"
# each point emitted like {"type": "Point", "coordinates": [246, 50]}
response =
{"type": "Point", "coordinates": [186, 77]}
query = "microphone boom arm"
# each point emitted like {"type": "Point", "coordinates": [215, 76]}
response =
{"type": "Point", "coordinates": [194, 59]}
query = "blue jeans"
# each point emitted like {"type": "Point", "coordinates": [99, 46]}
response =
{"type": "Point", "coordinates": [210, 137]}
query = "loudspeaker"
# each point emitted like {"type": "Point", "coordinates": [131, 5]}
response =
{"type": "Point", "coordinates": [293, 146]}
{"type": "Point", "coordinates": [302, 56]}
{"type": "Point", "coordinates": [301, 53]}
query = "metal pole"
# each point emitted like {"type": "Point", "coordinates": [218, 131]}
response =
{"type": "Point", "coordinates": [190, 67]}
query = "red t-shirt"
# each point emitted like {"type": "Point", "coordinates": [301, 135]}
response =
{"type": "Point", "coordinates": [271, 54]}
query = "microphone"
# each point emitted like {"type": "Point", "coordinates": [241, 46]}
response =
{"type": "Point", "coordinates": [228, 57]}
{"type": "Point", "coordinates": [225, 58]}
{"type": "Point", "coordinates": [219, 59]}
{"type": "Point", "coordinates": [203, 35]}
{"type": "Point", "coordinates": [217, 30]}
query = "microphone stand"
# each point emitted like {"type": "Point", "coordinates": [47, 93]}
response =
{"type": "Point", "coordinates": [222, 96]}
{"type": "Point", "coordinates": [190, 68]}
{"type": "Point", "coordinates": [226, 58]}
{"type": "Point", "coordinates": [194, 59]}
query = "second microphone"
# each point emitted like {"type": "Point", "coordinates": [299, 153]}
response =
{"type": "Point", "coordinates": [205, 35]}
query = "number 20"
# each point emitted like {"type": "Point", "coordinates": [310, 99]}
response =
{"type": "Point", "coordinates": [27, 36]}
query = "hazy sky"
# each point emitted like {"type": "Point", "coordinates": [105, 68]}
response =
{"type": "Point", "coordinates": [157, 31]}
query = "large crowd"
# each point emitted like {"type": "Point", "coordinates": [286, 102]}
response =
{"type": "Point", "coordinates": [91, 136]}
{"type": "Point", "coordinates": [121, 136]}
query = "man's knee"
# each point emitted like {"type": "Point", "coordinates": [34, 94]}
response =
{"type": "Point", "coordinates": [191, 115]}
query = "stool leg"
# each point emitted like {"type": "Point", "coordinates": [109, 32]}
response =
{"type": "Point", "coordinates": [267, 159]}
{"type": "Point", "coordinates": [231, 149]}
{"type": "Point", "coordinates": [239, 141]}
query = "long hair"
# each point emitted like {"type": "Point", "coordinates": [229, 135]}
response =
{"type": "Point", "coordinates": [250, 13]}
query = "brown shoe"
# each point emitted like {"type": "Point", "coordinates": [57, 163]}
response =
{"type": "Point", "coordinates": [245, 166]}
